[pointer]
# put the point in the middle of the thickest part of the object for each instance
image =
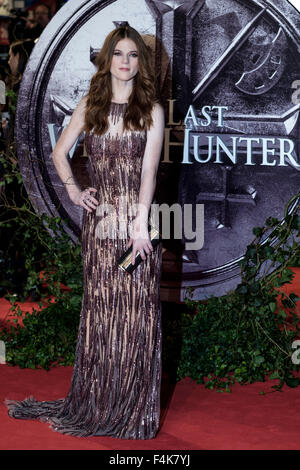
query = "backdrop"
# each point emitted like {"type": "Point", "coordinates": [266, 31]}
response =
{"type": "Point", "coordinates": [230, 83]}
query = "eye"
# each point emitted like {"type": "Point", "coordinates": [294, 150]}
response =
{"type": "Point", "coordinates": [116, 53]}
{"type": "Point", "coordinates": [134, 54]}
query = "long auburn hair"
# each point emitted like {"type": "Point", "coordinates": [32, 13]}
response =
{"type": "Point", "coordinates": [144, 93]}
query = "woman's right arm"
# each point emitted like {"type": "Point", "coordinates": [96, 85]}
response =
{"type": "Point", "coordinates": [60, 156]}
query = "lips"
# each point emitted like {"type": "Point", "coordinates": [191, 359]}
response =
{"type": "Point", "coordinates": [123, 68]}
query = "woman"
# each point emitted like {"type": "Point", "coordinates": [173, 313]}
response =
{"type": "Point", "coordinates": [115, 389]}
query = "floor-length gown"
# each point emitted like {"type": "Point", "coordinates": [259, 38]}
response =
{"type": "Point", "coordinates": [116, 381]}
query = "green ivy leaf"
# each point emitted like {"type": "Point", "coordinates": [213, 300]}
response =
{"type": "Point", "coordinates": [258, 231]}
{"type": "Point", "coordinates": [274, 375]}
{"type": "Point", "coordinates": [259, 360]}
{"type": "Point", "coordinates": [292, 382]}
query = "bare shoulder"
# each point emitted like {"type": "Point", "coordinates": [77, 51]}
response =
{"type": "Point", "coordinates": [79, 111]}
{"type": "Point", "coordinates": [84, 99]}
{"type": "Point", "coordinates": [158, 115]}
{"type": "Point", "coordinates": [82, 103]}
{"type": "Point", "coordinates": [157, 110]}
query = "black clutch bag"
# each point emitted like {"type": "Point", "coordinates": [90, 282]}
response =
{"type": "Point", "coordinates": [125, 261]}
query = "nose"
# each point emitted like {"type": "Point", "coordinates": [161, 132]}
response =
{"type": "Point", "coordinates": [125, 59]}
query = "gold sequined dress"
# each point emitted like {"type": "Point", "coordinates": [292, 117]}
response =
{"type": "Point", "coordinates": [116, 381]}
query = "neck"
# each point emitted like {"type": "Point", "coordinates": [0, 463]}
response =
{"type": "Point", "coordinates": [121, 90]}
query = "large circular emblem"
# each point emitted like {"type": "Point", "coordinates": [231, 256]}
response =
{"type": "Point", "coordinates": [229, 78]}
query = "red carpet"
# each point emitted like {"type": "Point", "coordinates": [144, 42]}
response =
{"type": "Point", "coordinates": [192, 417]}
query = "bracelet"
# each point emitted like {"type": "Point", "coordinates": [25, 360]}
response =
{"type": "Point", "coordinates": [66, 182]}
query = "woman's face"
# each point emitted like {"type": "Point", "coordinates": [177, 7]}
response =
{"type": "Point", "coordinates": [13, 62]}
{"type": "Point", "coordinates": [124, 64]}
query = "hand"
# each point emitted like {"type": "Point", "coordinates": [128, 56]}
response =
{"type": "Point", "coordinates": [140, 239]}
{"type": "Point", "coordinates": [85, 199]}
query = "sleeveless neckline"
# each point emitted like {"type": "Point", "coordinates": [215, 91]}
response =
{"type": "Point", "coordinates": [114, 102]}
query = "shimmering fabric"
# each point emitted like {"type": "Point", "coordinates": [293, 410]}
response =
{"type": "Point", "coordinates": [116, 381]}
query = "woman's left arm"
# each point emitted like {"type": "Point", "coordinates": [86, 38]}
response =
{"type": "Point", "coordinates": [155, 136]}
